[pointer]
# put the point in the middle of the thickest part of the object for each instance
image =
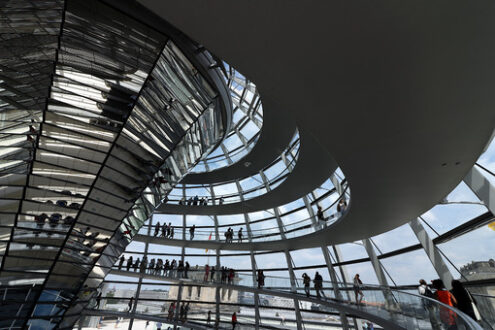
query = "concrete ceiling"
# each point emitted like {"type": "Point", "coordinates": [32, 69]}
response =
{"type": "Point", "coordinates": [401, 94]}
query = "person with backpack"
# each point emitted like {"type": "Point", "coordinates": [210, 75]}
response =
{"type": "Point", "coordinates": [428, 305]}
{"type": "Point", "coordinates": [425, 290]}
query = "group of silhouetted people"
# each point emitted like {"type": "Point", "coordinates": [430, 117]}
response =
{"type": "Point", "coordinates": [318, 284]}
{"type": "Point", "coordinates": [174, 268]}
{"type": "Point", "coordinates": [227, 275]}
{"type": "Point", "coordinates": [194, 201]}
{"type": "Point", "coordinates": [156, 266]}
{"type": "Point", "coordinates": [458, 297]}
{"type": "Point", "coordinates": [167, 231]}
{"type": "Point", "coordinates": [229, 235]}
{"type": "Point", "coordinates": [183, 310]}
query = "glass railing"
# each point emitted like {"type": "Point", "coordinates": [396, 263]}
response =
{"type": "Point", "coordinates": [486, 306]}
{"type": "Point", "coordinates": [236, 196]}
{"type": "Point", "coordinates": [245, 108]}
{"type": "Point", "coordinates": [295, 229]}
{"type": "Point", "coordinates": [408, 310]}
{"type": "Point", "coordinates": [225, 160]}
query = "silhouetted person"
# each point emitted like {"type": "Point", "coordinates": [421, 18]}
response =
{"type": "Point", "coordinates": [157, 228]}
{"type": "Point", "coordinates": [234, 320]}
{"type": "Point", "coordinates": [171, 311]}
{"type": "Point", "coordinates": [40, 220]}
{"type": "Point", "coordinates": [261, 279]}
{"type": "Point", "coordinates": [239, 235]}
{"type": "Point", "coordinates": [121, 261]}
{"type": "Point", "coordinates": [319, 214]}
{"type": "Point", "coordinates": [207, 272]}
{"type": "Point", "coordinates": [212, 271]}
{"type": "Point", "coordinates": [306, 282]}
{"type": "Point", "coordinates": [191, 231]}
{"type": "Point", "coordinates": [151, 266]}
{"type": "Point", "coordinates": [164, 230]}
{"type": "Point", "coordinates": [172, 267]}
{"type": "Point", "coordinates": [131, 302]}
{"type": "Point", "coordinates": [318, 281]}
{"type": "Point", "coordinates": [465, 301]}
{"type": "Point", "coordinates": [182, 312]}
{"type": "Point", "coordinates": [98, 300]}
{"type": "Point", "coordinates": [143, 265]}
{"type": "Point", "coordinates": [357, 287]}
{"type": "Point", "coordinates": [223, 278]}
{"type": "Point", "coordinates": [166, 268]}
{"type": "Point", "coordinates": [186, 270]}
{"type": "Point", "coordinates": [129, 263]}
{"type": "Point", "coordinates": [186, 311]}
{"type": "Point", "coordinates": [180, 269]}
{"type": "Point", "coordinates": [136, 264]}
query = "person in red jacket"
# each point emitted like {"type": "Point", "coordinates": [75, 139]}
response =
{"type": "Point", "coordinates": [443, 295]}
{"type": "Point", "coordinates": [234, 320]}
{"type": "Point", "coordinates": [207, 272]}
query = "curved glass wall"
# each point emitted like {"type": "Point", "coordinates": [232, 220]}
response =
{"type": "Point", "coordinates": [395, 259]}
{"type": "Point", "coordinates": [226, 192]}
{"type": "Point", "coordinates": [70, 154]}
{"type": "Point", "coordinates": [247, 122]}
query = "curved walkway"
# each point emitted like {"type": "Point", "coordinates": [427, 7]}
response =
{"type": "Point", "coordinates": [312, 168]}
{"type": "Point", "coordinates": [275, 136]}
{"type": "Point", "coordinates": [390, 92]}
{"type": "Point", "coordinates": [391, 309]}
{"type": "Point", "coordinates": [305, 241]}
